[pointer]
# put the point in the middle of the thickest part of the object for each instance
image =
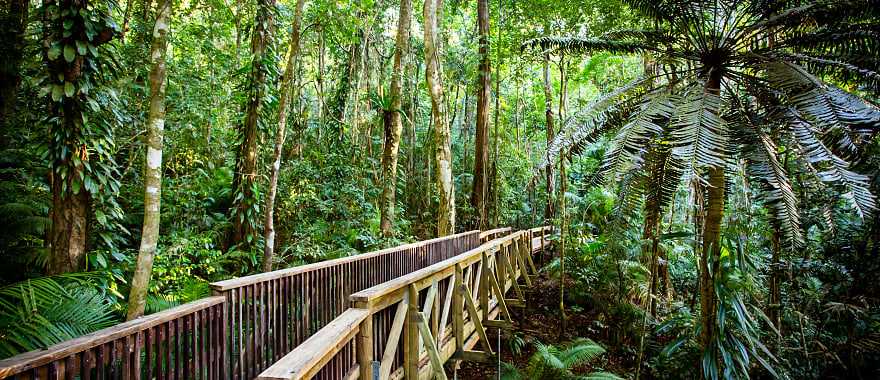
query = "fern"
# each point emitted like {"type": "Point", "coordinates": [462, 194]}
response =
{"type": "Point", "coordinates": [552, 362]}
{"type": "Point", "coordinates": [37, 313]}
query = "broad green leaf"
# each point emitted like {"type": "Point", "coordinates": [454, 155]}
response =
{"type": "Point", "coordinates": [69, 89]}
{"type": "Point", "coordinates": [69, 53]}
{"type": "Point", "coordinates": [54, 52]}
{"type": "Point", "coordinates": [57, 92]}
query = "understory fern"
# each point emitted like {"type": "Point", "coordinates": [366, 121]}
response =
{"type": "Point", "coordinates": [40, 312]}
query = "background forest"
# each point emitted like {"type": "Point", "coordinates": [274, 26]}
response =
{"type": "Point", "coordinates": [709, 167]}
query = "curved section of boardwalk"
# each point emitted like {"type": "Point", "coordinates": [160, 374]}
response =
{"type": "Point", "coordinates": [410, 326]}
{"type": "Point", "coordinates": [250, 324]}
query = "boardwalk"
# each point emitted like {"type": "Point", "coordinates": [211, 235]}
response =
{"type": "Point", "coordinates": [395, 313]}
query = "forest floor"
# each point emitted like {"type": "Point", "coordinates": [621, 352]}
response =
{"type": "Point", "coordinates": [542, 322]}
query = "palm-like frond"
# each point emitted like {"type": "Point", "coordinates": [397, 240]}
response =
{"type": "Point", "coordinates": [581, 45]}
{"type": "Point", "coordinates": [828, 109]}
{"type": "Point", "coordinates": [665, 10]}
{"type": "Point", "coordinates": [837, 171]}
{"type": "Point", "coordinates": [551, 362]}
{"type": "Point", "coordinates": [594, 120]}
{"type": "Point", "coordinates": [599, 376]}
{"type": "Point", "coordinates": [765, 167]}
{"type": "Point", "coordinates": [698, 132]}
{"type": "Point", "coordinates": [37, 313]}
{"type": "Point", "coordinates": [631, 141]}
{"type": "Point", "coordinates": [580, 351]}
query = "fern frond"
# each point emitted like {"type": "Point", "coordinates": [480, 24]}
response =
{"type": "Point", "coordinates": [44, 311]}
{"type": "Point", "coordinates": [586, 125]}
{"type": "Point", "coordinates": [698, 132]}
{"type": "Point", "coordinates": [631, 141]}
{"type": "Point", "coordinates": [839, 68]}
{"type": "Point", "coordinates": [580, 351]}
{"type": "Point", "coordinates": [580, 45]}
{"type": "Point", "coordinates": [666, 10]}
{"type": "Point", "coordinates": [837, 171]}
{"type": "Point", "coordinates": [641, 35]}
{"type": "Point", "coordinates": [599, 376]}
{"type": "Point", "coordinates": [829, 109]}
{"type": "Point", "coordinates": [766, 168]}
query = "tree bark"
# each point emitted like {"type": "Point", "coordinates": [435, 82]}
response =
{"type": "Point", "coordinates": [140, 283]}
{"type": "Point", "coordinates": [775, 302]}
{"type": "Point", "coordinates": [13, 22]}
{"type": "Point", "coordinates": [68, 144]}
{"type": "Point", "coordinates": [244, 210]}
{"type": "Point", "coordinates": [548, 115]}
{"type": "Point", "coordinates": [442, 145]}
{"type": "Point", "coordinates": [392, 121]}
{"type": "Point", "coordinates": [283, 109]}
{"type": "Point", "coordinates": [480, 186]}
{"type": "Point", "coordinates": [711, 247]}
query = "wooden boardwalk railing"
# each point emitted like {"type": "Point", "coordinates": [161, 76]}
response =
{"type": "Point", "coordinates": [185, 342]}
{"type": "Point", "coordinates": [249, 324]}
{"type": "Point", "coordinates": [253, 321]}
{"type": "Point", "coordinates": [409, 326]}
{"type": "Point", "coordinates": [270, 313]}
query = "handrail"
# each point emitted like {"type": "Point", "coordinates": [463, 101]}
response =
{"type": "Point", "coordinates": [303, 362]}
{"type": "Point", "coordinates": [272, 313]}
{"type": "Point", "coordinates": [51, 355]}
{"type": "Point", "coordinates": [266, 276]}
{"type": "Point", "coordinates": [371, 298]}
{"type": "Point", "coordinates": [491, 234]}
{"type": "Point", "coordinates": [396, 348]}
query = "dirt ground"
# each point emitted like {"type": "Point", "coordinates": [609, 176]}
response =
{"type": "Point", "coordinates": [541, 322]}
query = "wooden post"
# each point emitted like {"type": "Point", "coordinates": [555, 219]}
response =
{"type": "Point", "coordinates": [365, 348]}
{"type": "Point", "coordinates": [411, 337]}
{"type": "Point", "coordinates": [484, 288]}
{"type": "Point", "coordinates": [501, 269]}
{"type": "Point", "coordinates": [458, 310]}
{"type": "Point", "coordinates": [431, 348]}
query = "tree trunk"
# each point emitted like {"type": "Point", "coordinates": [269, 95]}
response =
{"type": "Point", "coordinates": [711, 240]}
{"type": "Point", "coordinates": [153, 168]}
{"type": "Point", "coordinates": [481, 143]}
{"type": "Point", "coordinates": [392, 121]}
{"type": "Point", "coordinates": [283, 108]}
{"type": "Point", "coordinates": [775, 303]}
{"type": "Point", "coordinates": [68, 144]}
{"type": "Point", "coordinates": [548, 114]}
{"type": "Point", "coordinates": [563, 235]}
{"type": "Point", "coordinates": [244, 210]}
{"type": "Point", "coordinates": [13, 22]}
{"type": "Point", "coordinates": [442, 145]}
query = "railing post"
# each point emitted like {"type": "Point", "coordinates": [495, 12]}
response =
{"type": "Point", "coordinates": [411, 337]}
{"type": "Point", "coordinates": [365, 348]}
{"type": "Point", "coordinates": [484, 287]}
{"type": "Point", "coordinates": [458, 310]}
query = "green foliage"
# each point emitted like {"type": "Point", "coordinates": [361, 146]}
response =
{"type": "Point", "coordinates": [37, 313]}
{"type": "Point", "coordinates": [551, 362]}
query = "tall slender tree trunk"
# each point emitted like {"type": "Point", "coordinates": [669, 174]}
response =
{"type": "Point", "coordinates": [548, 115]}
{"type": "Point", "coordinates": [245, 209]}
{"type": "Point", "coordinates": [68, 145]}
{"type": "Point", "coordinates": [153, 165]}
{"type": "Point", "coordinates": [442, 140]}
{"type": "Point", "coordinates": [775, 303]}
{"type": "Point", "coordinates": [283, 109]}
{"type": "Point", "coordinates": [392, 121]}
{"type": "Point", "coordinates": [480, 186]}
{"type": "Point", "coordinates": [563, 236]}
{"type": "Point", "coordinates": [711, 247]}
{"type": "Point", "coordinates": [13, 22]}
